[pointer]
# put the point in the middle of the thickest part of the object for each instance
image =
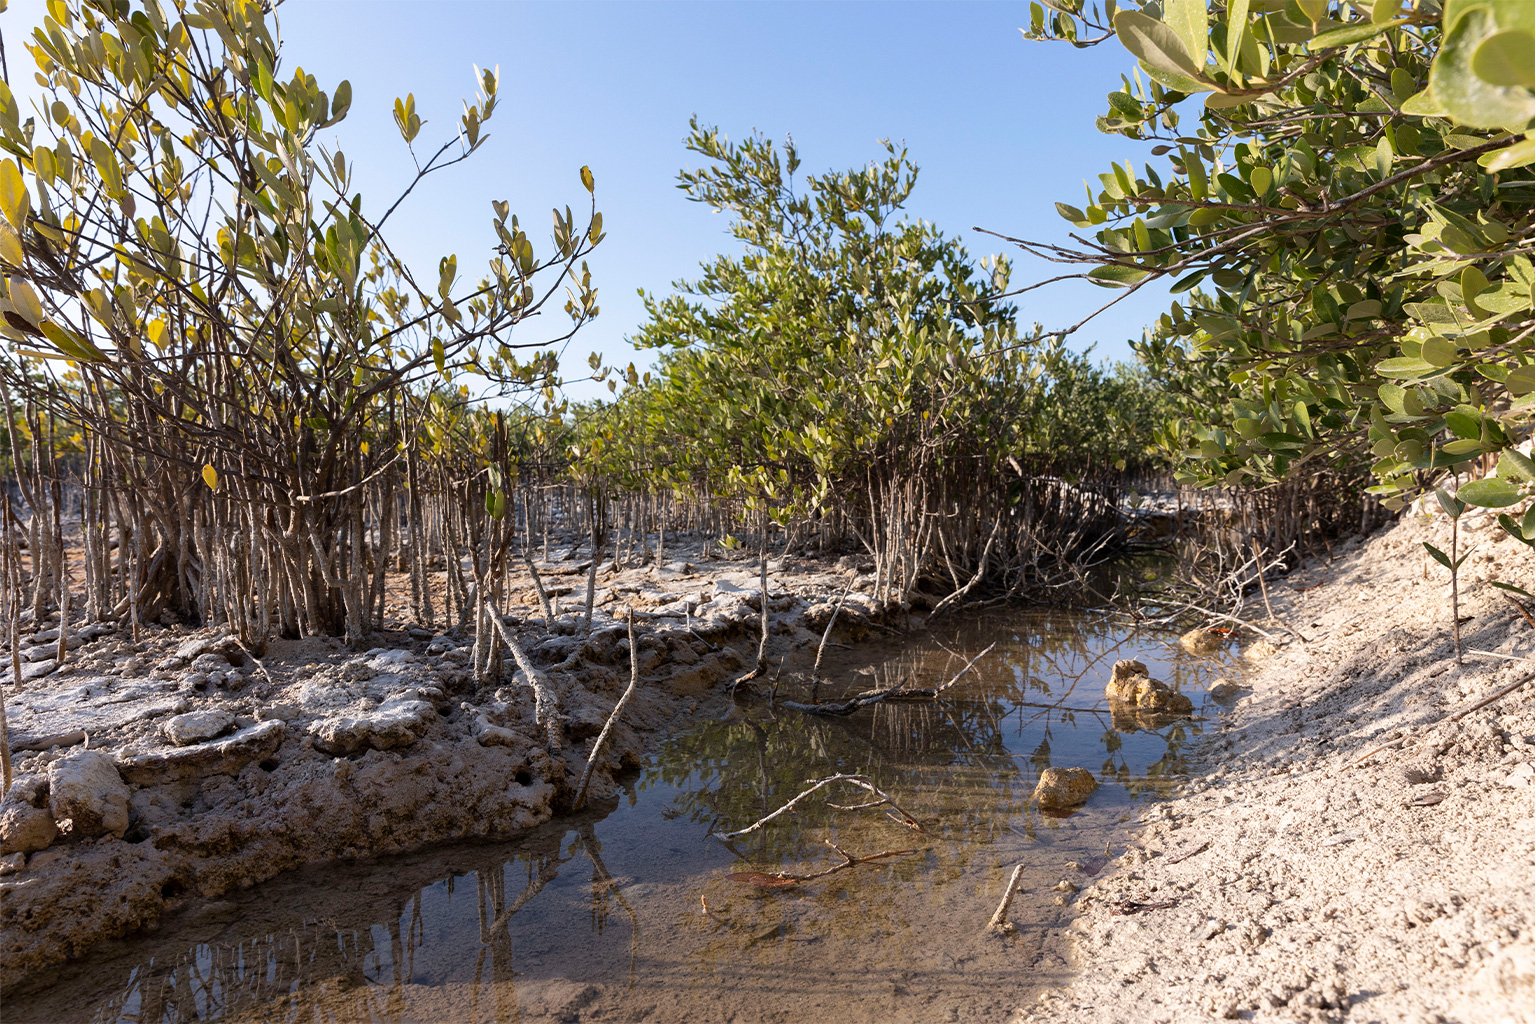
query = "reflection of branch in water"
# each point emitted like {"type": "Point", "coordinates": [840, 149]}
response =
{"type": "Point", "coordinates": [604, 885]}
{"type": "Point", "coordinates": [894, 694]}
{"type": "Point", "coordinates": [548, 871]}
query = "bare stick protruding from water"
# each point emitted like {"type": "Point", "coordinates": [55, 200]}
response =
{"type": "Point", "coordinates": [999, 922]}
{"type": "Point", "coordinates": [618, 709]}
{"type": "Point", "coordinates": [853, 780]}
{"type": "Point", "coordinates": [826, 634]}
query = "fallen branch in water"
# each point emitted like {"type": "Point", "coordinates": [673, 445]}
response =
{"type": "Point", "coordinates": [618, 709]}
{"type": "Point", "coordinates": [889, 695]}
{"type": "Point", "coordinates": [785, 879]}
{"type": "Point", "coordinates": [999, 922]}
{"type": "Point", "coordinates": [853, 780]}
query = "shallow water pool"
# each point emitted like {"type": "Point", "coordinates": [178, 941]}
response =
{"type": "Point", "coordinates": [631, 913]}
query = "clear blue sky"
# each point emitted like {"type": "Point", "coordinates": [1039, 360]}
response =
{"type": "Point", "coordinates": [1002, 128]}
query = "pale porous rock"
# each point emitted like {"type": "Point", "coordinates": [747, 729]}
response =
{"type": "Point", "coordinates": [85, 789]}
{"type": "Point", "coordinates": [1061, 789]}
{"type": "Point", "coordinates": [1260, 651]}
{"type": "Point", "coordinates": [1223, 691]}
{"type": "Point", "coordinates": [24, 825]}
{"type": "Point", "coordinates": [1205, 640]}
{"type": "Point", "coordinates": [1130, 684]}
{"type": "Point", "coordinates": [197, 726]}
{"type": "Point", "coordinates": [226, 756]}
{"type": "Point", "coordinates": [395, 724]}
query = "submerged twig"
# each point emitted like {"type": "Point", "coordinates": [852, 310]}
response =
{"type": "Point", "coordinates": [783, 879]}
{"type": "Point", "coordinates": [888, 695]}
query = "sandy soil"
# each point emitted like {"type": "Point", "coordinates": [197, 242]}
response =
{"type": "Point", "coordinates": [1303, 880]}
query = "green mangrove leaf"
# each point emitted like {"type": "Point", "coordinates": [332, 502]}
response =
{"type": "Point", "coordinates": [1157, 45]}
{"type": "Point", "coordinates": [1490, 492]}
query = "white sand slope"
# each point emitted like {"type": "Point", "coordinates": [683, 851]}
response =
{"type": "Point", "coordinates": [1309, 885]}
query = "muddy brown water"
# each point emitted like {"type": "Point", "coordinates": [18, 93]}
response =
{"type": "Point", "coordinates": [629, 913]}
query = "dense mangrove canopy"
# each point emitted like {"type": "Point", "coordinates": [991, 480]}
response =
{"type": "Point", "coordinates": [854, 367]}
{"type": "Point", "coordinates": [1345, 205]}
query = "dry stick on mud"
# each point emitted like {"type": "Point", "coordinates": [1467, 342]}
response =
{"type": "Point", "coordinates": [538, 588]}
{"type": "Point", "coordinates": [546, 707]}
{"type": "Point", "coordinates": [618, 709]}
{"type": "Point", "coordinates": [999, 922]}
{"type": "Point", "coordinates": [1499, 694]}
{"type": "Point", "coordinates": [853, 780]}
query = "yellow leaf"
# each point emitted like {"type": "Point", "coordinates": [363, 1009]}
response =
{"type": "Point", "coordinates": [157, 333]}
{"type": "Point", "coordinates": [586, 178]}
{"type": "Point", "coordinates": [14, 201]}
{"type": "Point", "coordinates": [25, 301]}
{"type": "Point", "coordinates": [211, 477]}
{"type": "Point", "coordinates": [10, 246]}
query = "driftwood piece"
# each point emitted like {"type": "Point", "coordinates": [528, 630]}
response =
{"type": "Point", "coordinates": [546, 706]}
{"type": "Point", "coordinates": [1125, 908]}
{"type": "Point", "coordinates": [618, 709]}
{"type": "Point", "coordinates": [999, 922]}
{"type": "Point", "coordinates": [1181, 858]}
{"type": "Point", "coordinates": [853, 780]}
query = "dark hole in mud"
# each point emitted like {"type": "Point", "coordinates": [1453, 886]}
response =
{"type": "Point", "coordinates": [524, 777]}
{"type": "Point", "coordinates": [269, 765]}
{"type": "Point", "coordinates": [136, 833]}
{"type": "Point", "coordinates": [172, 888]}
{"type": "Point", "coordinates": [631, 912]}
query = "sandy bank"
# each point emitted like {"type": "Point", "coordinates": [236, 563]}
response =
{"type": "Point", "coordinates": [1302, 881]}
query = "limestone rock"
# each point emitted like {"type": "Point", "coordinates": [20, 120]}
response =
{"type": "Point", "coordinates": [220, 757]}
{"type": "Point", "coordinates": [396, 723]}
{"type": "Point", "coordinates": [197, 726]}
{"type": "Point", "coordinates": [1130, 684]}
{"type": "Point", "coordinates": [1205, 640]}
{"type": "Point", "coordinates": [24, 828]}
{"type": "Point", "coordinates": [33, 671]}
{"type": "Point", "coordinates": [85, 789]}
{"type": "Point", "coordinates": [1223, 691]}
{"type": "Point", "coordinates": [1061, 789]}
{"type": "Point", "coordinates": [1260, 651]}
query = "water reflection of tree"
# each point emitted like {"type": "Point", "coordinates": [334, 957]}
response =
{"type": "Point", "coordinates": [355, 957]}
